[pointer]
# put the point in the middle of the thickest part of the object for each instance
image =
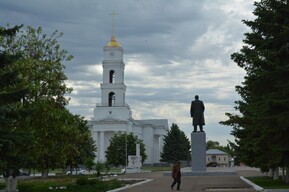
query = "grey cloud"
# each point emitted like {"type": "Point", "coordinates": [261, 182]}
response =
{"type": "Point", "coordinates": [179, 43]}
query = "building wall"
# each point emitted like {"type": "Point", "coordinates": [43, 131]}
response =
{"type": "Point", "coordinates": [151, 136]}
{"type": "Point", "coordinates": [148, 139]}
{"type": "Point", "coordinates": [218, 158]}
{"type": "Point", "coordinates": [121, 113]}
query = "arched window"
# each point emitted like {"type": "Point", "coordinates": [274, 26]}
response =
{"type": "Point", "coordinates": [111, 99]}
{"type": "Point", "coordinates": [111, 76]}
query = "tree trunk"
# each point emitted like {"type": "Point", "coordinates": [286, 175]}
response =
{"type": "Point", "coordinates": [44, 174]}
{"type": "Point", "coordinates": [287, 175]}
{"type": "Point", "coordinates": [63, 171]}
{"type": "Point", "coordinates": [283, 173]}
{"type": "Point", "coordinates": [276, 174]}
{"type": "Point", "coordinates": [271, 173]}
{"type": "Point", "coordinates": [7, 182]}
{"type": "Point", "coordinates": [11, 184]}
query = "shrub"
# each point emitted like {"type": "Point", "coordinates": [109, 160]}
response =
{"type": "Point", "coordinates": [2, 185]}
{"type": "Point", "coordinates": [82, 181]}
{"type": "Point", "coordinates": [113, 184]}
{"type": "Point", "coordinates": [93, 181]}
{"type": "Point", "coordinates": [81, 184]}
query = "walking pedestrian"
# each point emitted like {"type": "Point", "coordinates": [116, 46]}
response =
{"type": "Point", "coordinates": [176, 174]}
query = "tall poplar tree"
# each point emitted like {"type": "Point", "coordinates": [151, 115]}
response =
{"type": "Point", "coordinates": [262, 128]}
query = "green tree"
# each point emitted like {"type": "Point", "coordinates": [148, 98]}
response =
{"type": "Point", "coordinates": [99, 168]}
{"type": "Point", "coordinates": [33, 100]}
{"type": "Point", "coordinates": [212, 144]}
{"type": "Point", "coordinates": [61, 139]}
{"type": "Point", "coordinates": [121, 146]}
{"type": "Point", "coordinates": [40, 72]}
{"type": "Point", "coordinates": [82, 148]}
{"type": "Point", "coordinates": [40, 65]}
{"type": "Point", "coordinates": [13, 140]}
{"type": "Point", "coordinates": [89, 164]}
{"type": "Point", "coordinates": [262, 127]}
{"type": "Point", "coordinates": [176, 146]}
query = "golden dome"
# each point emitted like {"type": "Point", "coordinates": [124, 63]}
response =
{"type": "Point", "coordinates": [113, 42]}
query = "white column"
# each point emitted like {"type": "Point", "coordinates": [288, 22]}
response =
{"type": "Point", "coordinates": [101, 147]}
{"type": "Point", "coordinates": [156, 148]}
{"type": "Point", "coordinates": [148, 138]}
{"type": "Point", "coordinates": [160, 144]}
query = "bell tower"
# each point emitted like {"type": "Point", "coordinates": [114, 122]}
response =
{"type": "Point", "coordinates": [112, 115]}
{"type": "Point", "coordinates": [113, 89]}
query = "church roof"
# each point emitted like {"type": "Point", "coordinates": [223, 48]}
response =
{"type": "Point", "coordinates": [156, 123]}
{"type": "Point", "coordinates": [113, 42]}
{"type": "Point", "coordinates": [215, 152]}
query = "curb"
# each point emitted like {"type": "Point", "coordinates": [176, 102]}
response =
{"type": "Point", "coordinates": [133, 185]}
{"type": "Point", "coordinates": [256, 187]}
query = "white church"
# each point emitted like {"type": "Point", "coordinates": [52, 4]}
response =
{"type": "Point", "coordinates": [113, 115]}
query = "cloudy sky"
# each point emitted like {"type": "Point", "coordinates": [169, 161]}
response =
{"type": "Point", "coordinates": [173, 51]}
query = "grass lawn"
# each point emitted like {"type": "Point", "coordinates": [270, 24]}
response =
{"type": "Point", "coordinates": [75, 183]}
{"type": "Point", "coordinates": [268, 182]}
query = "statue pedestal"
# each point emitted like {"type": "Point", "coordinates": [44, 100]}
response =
{"type": "Point", "coordinates": [198, 140]}
{"type": "Point", "coordinates": [198, 163]}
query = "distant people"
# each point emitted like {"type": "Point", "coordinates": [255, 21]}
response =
{"type": "Point", "coordinates": [197, 113]}
{"type": "Point", "coordinates": [176, 174]}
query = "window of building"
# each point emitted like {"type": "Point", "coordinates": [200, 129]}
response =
{"type": "Point", "coordinates": [111, 99]}
{"type": "Point", "coordinates": [214, 158]}
{"type": "Point", "coordinates": [111, 76]}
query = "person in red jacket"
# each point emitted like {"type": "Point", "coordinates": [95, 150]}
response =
{"type": "Point", "coordinates": [176, 174]}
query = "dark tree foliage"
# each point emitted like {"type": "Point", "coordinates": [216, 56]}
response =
{"type": "Point", "coordinates": [121, 146]}
{"type": "Point", "coordinates": [36, 130]}
{"type": "Point", "coordinates": [176, 146]}
{"type": "Point", "coordinates": [82, 148]}
{"type": "Point", "coordinates": [262, 128]}
{"type": "Point", "coordinates": [13, 141]}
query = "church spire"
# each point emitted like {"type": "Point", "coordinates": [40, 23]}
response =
{"type": "Point", "coordinates": [113, 42]}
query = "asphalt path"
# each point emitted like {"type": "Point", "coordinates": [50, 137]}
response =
{"type": "Point", "coordinates": [157, 182]}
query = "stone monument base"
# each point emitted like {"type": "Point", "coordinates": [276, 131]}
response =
{"type": "Point", "coordinates": [198, 162]}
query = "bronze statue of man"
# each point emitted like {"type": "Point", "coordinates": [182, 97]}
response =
{"type": "Point", "coordinates": [197, 113]}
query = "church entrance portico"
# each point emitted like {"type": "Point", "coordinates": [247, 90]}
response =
{"type": "Point", "coordinates": [103, 131]}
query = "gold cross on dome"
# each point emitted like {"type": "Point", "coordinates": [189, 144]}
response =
{"type": "Point", "coordinates": [113, 22]}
